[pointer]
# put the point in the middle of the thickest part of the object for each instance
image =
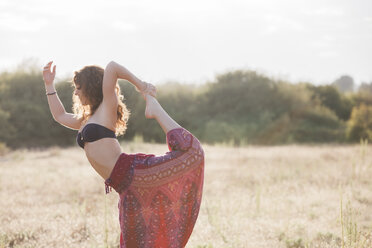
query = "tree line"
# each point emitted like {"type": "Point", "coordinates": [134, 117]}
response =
{"type": "Point", "coordinates": [239, 108]}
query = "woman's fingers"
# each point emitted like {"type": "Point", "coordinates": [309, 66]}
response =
{"type": "Point", "coordinates": [49, 64]}
{"type": "Point", "coordinates": [152, 90]}
{"type": "Point", "coordinates": [48, 74]}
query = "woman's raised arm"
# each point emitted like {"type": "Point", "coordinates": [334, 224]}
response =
{"type": "Point", "coordinates": [55, 105]}
{"type": "Point", "coordinates": [115, 71]}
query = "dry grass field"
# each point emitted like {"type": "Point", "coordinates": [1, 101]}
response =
{"type": "Point", "coordinates": [278, 196]}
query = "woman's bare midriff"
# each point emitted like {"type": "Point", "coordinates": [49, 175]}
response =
{"type": "Point", "coordinates": [103, 154]}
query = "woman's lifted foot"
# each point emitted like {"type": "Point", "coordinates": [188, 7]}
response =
{"type": "Point", "coordinates": [151, 106]}
{"type": "Point", "coordinates": [155, 111]}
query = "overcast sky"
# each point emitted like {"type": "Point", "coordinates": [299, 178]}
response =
{"type": "Point", "coordinates": [192, 41]}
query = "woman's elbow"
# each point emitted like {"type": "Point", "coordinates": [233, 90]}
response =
{"type": "Point", "coordinates": [111, 68]}
{"type": "Point", "coordinates": [57, 118]}
{"type": "Point", "coordinates": [111, 65]}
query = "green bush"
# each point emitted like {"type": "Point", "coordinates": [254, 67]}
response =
{"type": "Point", "coordinates": [29, 121]}
{"type": "Point", "coordinates": [318, 125]}
{"type": "Point", "coordinates": [239, 107]}
{"type": "Point", "coordinates": [360, 124]}
{"type": "Point", "coordinates": [332, 98]}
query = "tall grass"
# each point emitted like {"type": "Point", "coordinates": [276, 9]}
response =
{"type": "Point", "coordinates": [352, 234]}
{"type": "Point", "coordinates": [279, 196]}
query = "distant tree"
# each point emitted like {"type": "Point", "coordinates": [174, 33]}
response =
{"type": "Point", "coordinates": [330, 97]}
{"type": "Point", "coordinates": [305, 120]}
{"type": "Point", "coordinates": [318, 124]}
{"type": "Point", "coordinates": [23, 98]}
{"type": "Point", "coordinates": [6, 129]}
{"type": "Point", "coordinates": [365, 87]}
{"type": "Point", "coordinates": [239, 107]}
{"type": "Point", "coordinates": [239, 98]}
{"type": "Point", "coordinates": [360, 123]}
{"type": "Point", "coordinates": [362, 97]}
{"type": "Point", "coordinates": [345, 83]}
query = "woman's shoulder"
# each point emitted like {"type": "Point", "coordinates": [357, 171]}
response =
{"type": "Point", "coordinates": [103, 118]}
{"type": "Point", "coordinates": [106, 112]}
{"type": "Point", "coordinates": [110, 101]}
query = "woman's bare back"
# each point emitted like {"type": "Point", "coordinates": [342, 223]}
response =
{"type": "Point", "coordinates": [103, 153]}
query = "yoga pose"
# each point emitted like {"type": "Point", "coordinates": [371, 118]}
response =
{"type": "Point", "coordinates": [159, 196]}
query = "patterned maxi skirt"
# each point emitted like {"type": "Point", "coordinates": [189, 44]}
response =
{"type": "Point", "coordinates": [159, 196]}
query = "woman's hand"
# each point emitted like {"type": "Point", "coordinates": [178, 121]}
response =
{"type": "Point", "coordinates": [149, 90]}
{"type": "Point", "coordinates": [49, 75]}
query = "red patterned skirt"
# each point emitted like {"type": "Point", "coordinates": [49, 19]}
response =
{"type": "Point", "coordinates": [160, 196]}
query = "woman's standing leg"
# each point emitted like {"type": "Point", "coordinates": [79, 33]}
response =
{"type": "Point", "coordinates": [156, 111]}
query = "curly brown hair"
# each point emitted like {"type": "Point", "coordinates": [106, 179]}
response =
{"type": "Point", "coordinates": [90, 79]}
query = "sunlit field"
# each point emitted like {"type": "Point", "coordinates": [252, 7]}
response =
{"type": "Point", "coordinates": [278, 196]}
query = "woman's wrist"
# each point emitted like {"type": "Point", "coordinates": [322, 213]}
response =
{"type": "Point", "coordinates": [148, 89]}
{"type": "Point", "coordinates": [141, 86]}
{"type": "Point", "coordinates": [50, 88]}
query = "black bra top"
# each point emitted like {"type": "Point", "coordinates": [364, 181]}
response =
{"type": "Point", "coordinates": [92, 132]}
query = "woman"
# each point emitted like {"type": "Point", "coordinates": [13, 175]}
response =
{"type": "Point", "coordinates": [159, 196]}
